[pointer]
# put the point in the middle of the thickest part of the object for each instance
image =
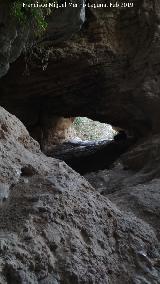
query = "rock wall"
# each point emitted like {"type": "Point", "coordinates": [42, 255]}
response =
{"type": "Point", "coordinates": [133, 182]}
{"type": "Point", "coordinates": [13, 37]}
{"type": "Point", "coordinates": [55, 228]}
{"type": "Point", "coordinates": [51, 131]}
{"type": "Point", "coordinates": [108, 71]}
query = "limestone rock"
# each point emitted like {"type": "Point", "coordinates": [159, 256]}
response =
{"type": "Point", "coordinates": [109, 70]}
{"type": "Point", "coordinates": [12, 38]}
{"type": "Point", "coordinates": [133, 183]}
{"type": "Point", "coordinates": [55, 228]}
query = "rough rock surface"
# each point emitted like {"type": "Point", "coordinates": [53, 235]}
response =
{"type": "Point", "coordinates": [12, 38]}
{"type": "Point", "coordinates": [108, 71]}
{"type": "Point", "coordinates": [133, 184]}
{"type": "Point", "coordinates": [55, 131]}
{"type": "Point", "coordinates": [55, 228]}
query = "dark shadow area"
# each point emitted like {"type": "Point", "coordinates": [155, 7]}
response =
{"type": "Point", "coordinates": [85, 157]}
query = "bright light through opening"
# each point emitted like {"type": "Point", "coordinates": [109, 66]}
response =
{"type": "Point", "coordinates": [87, 129]}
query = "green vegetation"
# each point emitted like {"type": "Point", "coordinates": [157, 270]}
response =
{"type": "Point", "coordinates": [36, 15]}
{"type": "Point", "coordinates": [87, 129]}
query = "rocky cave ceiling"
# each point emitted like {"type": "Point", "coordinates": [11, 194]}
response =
{"type": "Point", "coordinates": [54, 226]}
{"type": "Point", "coordinates": [108, 70]}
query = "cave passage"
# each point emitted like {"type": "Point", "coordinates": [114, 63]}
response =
{"type": "Point", "coordinates": [94, 153]}
{"type": "Point", "coordinates": [85, 157]}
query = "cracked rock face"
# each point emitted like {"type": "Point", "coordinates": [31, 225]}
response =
{"type": "Point", "coordinates": [133, 183]}
{"type": "Point", "coordinates": [111, 65]}
{"type": "Point", "coordinates": [55, 228]}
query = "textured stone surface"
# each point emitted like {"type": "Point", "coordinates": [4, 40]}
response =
{"type": "Point", "coordinates": [12, 39]}
{"type": "Point", "coordinates": [55, 228]}
{"type": "Point", "coordinates": [55, 130]}
{"type": "Point", "coordinates": [133, 184]}
{"type": "Point", "coordinates": [108, 71]}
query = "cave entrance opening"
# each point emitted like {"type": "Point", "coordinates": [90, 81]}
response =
{"type": "Point", "coordinates": [91, 146]}
{"type": "Point", "coordinates": [86, 129]}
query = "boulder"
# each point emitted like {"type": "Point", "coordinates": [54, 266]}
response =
{"type": "Point", "coordinates": [55, 228]}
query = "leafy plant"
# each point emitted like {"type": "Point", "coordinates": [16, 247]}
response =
{"type": "Point", "coordinates": [36, 15]}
